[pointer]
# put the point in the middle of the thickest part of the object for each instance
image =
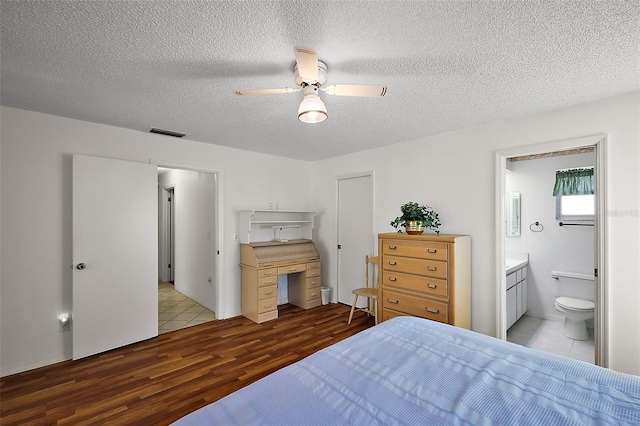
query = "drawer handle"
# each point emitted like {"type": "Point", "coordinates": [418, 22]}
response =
{"type": "Point", "coordinates": [432, 250]}
{"type": "Point", "coordinates": [293, 268]}
{"type": "Point", "coordinates": [431, 311]}
{"type": "Point", "coordinates": [395, 302]}
{"type": "Point", "coordinates": [393, 279]}
{"type": "Point", "coordinates": [268, 274]}
{"type": "Point", "coordinates": [392, 247]}
{"type": "Point", "coordinates": [432, 285]}
{"type": "Point", "coordinates": [268, 292]}
{"type": "Point", "coordinates": [392, 263]}
{"type": "Point", "coordinates": [432, 268]}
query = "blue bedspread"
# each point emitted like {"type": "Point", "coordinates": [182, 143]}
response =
{"type": "Point", "coordinates": [412, 371]}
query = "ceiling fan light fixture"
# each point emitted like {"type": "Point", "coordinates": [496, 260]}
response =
{"type": "Point", "coordinates": [312, 109]}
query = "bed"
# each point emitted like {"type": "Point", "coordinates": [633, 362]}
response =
{"type": "Point", "coordinates": [413, 371]}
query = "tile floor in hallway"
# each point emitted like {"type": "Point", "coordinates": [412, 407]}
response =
{"type": "Point", "coordinates": [176, 311]}
{"type": "Point", "coordinates": [546, 335]}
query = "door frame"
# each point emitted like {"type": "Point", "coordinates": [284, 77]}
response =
{"type": "Point", "coordinates": [218, 289]}
{"type": "Point", "coordinates": [168, 232]}
{"type": "Point", "coordinates": [336, 214]}
{"type": "Point", "coordinates": [599, 142]}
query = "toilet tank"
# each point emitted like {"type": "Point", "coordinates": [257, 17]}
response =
{"type": "Point", "coordinates": [573, 284]}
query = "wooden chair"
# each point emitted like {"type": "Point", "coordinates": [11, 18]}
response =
{"type": "Point", "coordinates": [370, 292]}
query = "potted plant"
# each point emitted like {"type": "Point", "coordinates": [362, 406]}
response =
{"type": "Point", "coordinates": [416, 218]}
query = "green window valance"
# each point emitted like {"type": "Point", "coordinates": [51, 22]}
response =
{"type": "Point", "coordinates": [574, 182]}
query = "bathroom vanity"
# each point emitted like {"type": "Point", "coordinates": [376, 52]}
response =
{"type": "Point", "coordinates": [516, 269]}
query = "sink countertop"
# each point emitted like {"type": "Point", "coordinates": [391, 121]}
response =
{"type": "Point", "coordinates": [516, 261]}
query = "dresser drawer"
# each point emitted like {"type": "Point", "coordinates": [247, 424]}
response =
{"type": "Point", "coordinates": [270, 272]}
{"type": "Point", "coordinates": [292, 269]}
{"type": "Point", "coordinates": [267, 292]}
{"type": "Point", "coordinates": [269, 304]}
{"type": "Point", "coordinates": [425, 308]}
{"type": "Point", "coordinates": [419, 249]}
{"type": "Point", "coordinates": [389, 313]}
{"type": "Point", "coordinates": [431, 286]}
{"type": "Point", "coordinates": [425, 267]}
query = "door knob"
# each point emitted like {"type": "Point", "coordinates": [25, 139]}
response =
{"type": "Point", "coordinates": [80, 266]}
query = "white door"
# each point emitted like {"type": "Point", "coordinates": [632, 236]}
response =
{"type": "Point", "coordinates": [115, 254]}
{"type": "Point", "coordinates": [355, 235]}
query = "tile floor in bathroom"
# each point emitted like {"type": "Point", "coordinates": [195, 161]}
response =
{"type": "Point", "coordinates": [176, 311]}
{"type": "Point", "coordinates": [546, 335]}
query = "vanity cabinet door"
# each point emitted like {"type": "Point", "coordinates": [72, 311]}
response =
{"type": "Point", "coordinates": [512, 314]}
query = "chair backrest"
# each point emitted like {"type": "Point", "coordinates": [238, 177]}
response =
{"type": "Point", "coordinates": [371, 262]}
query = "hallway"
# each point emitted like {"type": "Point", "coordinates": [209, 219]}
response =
{"type": "Point", "coordinates": [176, 311]}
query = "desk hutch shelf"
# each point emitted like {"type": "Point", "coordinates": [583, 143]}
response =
{"type": "Point", "coordinates": [272, 225]}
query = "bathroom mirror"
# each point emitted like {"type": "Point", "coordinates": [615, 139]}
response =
{"type": "Point", "coordinates": [513, 214]}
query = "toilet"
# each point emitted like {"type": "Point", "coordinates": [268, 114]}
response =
{"type": "Point", "coordinates": [573, 291]}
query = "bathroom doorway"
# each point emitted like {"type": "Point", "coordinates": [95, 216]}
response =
{"type": "Point", "coordinates": [534, 231]}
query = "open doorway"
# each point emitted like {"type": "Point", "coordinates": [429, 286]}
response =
{"type": "Point", "coordinates": [533, 228]}
{"type": "Point", "coordinates": [186, 248]}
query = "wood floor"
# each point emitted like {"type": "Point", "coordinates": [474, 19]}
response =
{"type": "Point", "coordinates": [160, 380]}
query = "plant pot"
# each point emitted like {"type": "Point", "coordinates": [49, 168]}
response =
{"type": "Point", "coordinates": [413, 227]}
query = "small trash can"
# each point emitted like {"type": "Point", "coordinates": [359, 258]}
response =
{"type": "Point", "coordinates": [326, 295]}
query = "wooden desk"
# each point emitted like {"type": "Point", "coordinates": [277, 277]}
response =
{"type": "Point", "coordinates": [261, 264]}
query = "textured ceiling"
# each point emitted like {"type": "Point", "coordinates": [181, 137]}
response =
{"type": "Point", "coordinates": [448, 65]}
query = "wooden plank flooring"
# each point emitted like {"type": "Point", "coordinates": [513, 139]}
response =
{"type": "Point", "coordinates": [157, 381]}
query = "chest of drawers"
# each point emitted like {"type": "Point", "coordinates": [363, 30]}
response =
{"type": "Point", "coordinates": [427, 276]}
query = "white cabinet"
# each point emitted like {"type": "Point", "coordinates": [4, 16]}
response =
{"type": "Point", "coordinates": [516, 295]}
{"type": "Point", "coordinates": [275, 225]}
{"type": "Point", "coordinates": [512, 298]}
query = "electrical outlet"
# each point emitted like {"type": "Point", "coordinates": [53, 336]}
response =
{"type": "Point", "coordinates": [235, 237]}
{"type": "Point", "coordinates": [64, 321]}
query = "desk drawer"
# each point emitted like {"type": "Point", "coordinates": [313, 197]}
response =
{"type": "Point", "coordinates": [269, 304]}
{"type": "Point", "coordinates": [267, 292]}
{"type": "Point", "coordinates": [313, 293]}
{"type": "Point", "coordinates": [432, 286]}
{"type": "Point", "coordinates": [313, 272]}
{"type": "Point", "coordinates": [267, 281]}
{"type": "Point", "coordinates": [314, 282]}
{"type": "Point", "coordinates": [424, 267]}
{"type": "Point", "coordinates": [292, 269]}
{"type": "Point", "coordinates": [270, 272]}
{"type": "Point", "coordinates": [314, 266]}
{"type": "Point", "coordinates": [425, 308]}
{"type": "Point", "coordinates": [419, 249]}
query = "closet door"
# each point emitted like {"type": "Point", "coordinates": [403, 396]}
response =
{"type": "Point", "coordinates": [355, 235]}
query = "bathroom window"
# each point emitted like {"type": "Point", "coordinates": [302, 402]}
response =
{"type": "Point", "coordinates": [575, 207]}
{"type": "Point", "coordinates": [574, 192]}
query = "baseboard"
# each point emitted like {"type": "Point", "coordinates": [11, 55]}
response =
{"type": "Point", "coordinates": [21, 368]}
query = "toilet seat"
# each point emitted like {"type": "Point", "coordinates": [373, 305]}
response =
{"type": "Point", "coordinates": [575, 304]}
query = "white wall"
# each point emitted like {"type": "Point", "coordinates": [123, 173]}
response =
{"type": "Point", "coordinates": [194, 221]}
{"type": "Point", "coordinates": [455, 174]}
{"type": "Point", "coordinates": [568, 248]}
{"type": "Point", "coordinates": [36, 217]}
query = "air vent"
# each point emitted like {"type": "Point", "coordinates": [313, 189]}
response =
{"type": "Point", "coordinates": [167, 132]}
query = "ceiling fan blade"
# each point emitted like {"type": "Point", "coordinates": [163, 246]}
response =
{"type": "Point", "coordinates": [265, 91]}
{"type": "Point", "coordinates": [356, 90]}
{"type": "Point", "coordinates": [307, 61]}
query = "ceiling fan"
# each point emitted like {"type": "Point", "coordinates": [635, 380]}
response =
{"type": "Point", "coordinates": [310, 76]}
